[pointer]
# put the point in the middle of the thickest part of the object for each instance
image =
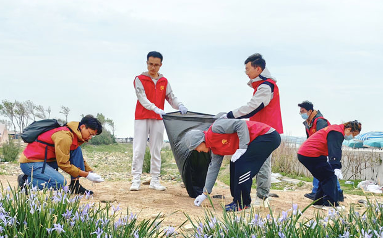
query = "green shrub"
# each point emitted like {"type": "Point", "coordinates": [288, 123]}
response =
{"type": "Point", "coordinates": [166, 155]}
{"type": "Point", "coordinates": [105, 138]}
{"type": "Point", "coordinates": [10, 151]}
{"type": "Point", "coordinates": [147, 159]}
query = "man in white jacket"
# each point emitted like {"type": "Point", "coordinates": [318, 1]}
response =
{"type": "Point", "coordinates": [152, 88]}
{"type": "Point", "coordinates": [264, 106]}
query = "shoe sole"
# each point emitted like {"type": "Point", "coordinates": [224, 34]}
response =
{"type": "Point", "coordinates": [134, 189]}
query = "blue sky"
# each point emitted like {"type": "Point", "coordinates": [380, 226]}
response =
{"type": "Point", "coordinates": [85, 54]}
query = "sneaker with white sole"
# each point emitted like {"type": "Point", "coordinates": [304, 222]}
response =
{"type": "Point", "coordinates": [136, 184]}
{"type": "Point", "coordinates": [155, 184]}
{"type": "Point", "coordinates": [259, 202]}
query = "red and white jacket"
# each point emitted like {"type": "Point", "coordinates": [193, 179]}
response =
{"type": "Point", "coordinates": [151, 93]}
{"type": "Point", "coordinates": [264, 106]}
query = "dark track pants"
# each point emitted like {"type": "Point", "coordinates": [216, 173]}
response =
{"type": "Point", "coordinates": [327, 190]}
{"type": "Point", "coordinates": [248, 165]}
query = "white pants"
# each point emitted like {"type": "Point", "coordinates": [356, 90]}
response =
{"type": "Point", "coordinates": [155, 130]}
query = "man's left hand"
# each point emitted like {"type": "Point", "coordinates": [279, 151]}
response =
{"type": "Point", "coordinates": [183, 109]}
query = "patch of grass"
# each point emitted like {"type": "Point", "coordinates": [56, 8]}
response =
{"type": "Point", "coordinates": [224, 178]}
{"type": "Point", "coordinates": [280, 186]}
{"type": "Point", "coordinates": [224, 172]}
{"type": "Point", "coordinates": [116, 147]}
{"type": "Point", "coordinates": [295, 176]}
{"type": "Point", "coordinates": [301, 184]}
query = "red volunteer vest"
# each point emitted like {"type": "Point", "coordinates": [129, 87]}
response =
{"type": "Point", "coordinates": [316, 145]}
{"type": "Point", "coordinates": [36, 150]}
{"type": "Point", "coordinates": [227, 144]}
{"type": "Point", "coordinates": [155, 93]}
{"type": "Point", "coordinates": [271, 114]}
{"type": "Point", "coordinates": [313, 128]}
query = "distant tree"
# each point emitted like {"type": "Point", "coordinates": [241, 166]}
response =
{"type": "Point", "coordinates": [49, 111]}
{"type": "Point", "coordinates": [110, 122]}
{"type": "Point", "coordinates": [101, 118]}
{"type": "Point", "coordinates": [30, 107]}
{"type": "Point", "coordinates": [8, 110]}
{"type": "Point", "coordinates": [65, 111]}
{"type": "Point", "coordinates": [21, 115]}
{"type": "Point", "coordinates": [40, 112]}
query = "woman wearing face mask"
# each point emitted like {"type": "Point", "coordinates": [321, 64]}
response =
{"type": "Point", "coordinates": [313, 155]}
{"type": "Point", "coordinates": [313, 122]}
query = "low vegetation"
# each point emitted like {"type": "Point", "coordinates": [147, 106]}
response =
{"type": "Point", "coordinates": [51, 213]}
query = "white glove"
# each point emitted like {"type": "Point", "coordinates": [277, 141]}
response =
{"type": "Point", "coordinates": [159, 111]}
{"type": "Point", "coordinates": [338, 173]}
{"type": "Point", "coordinates": [237, 154]}
{"type": "Point", "coordinates": [94, 178]}
{"type": "Point", "coordinates": [224, 116]}
{"type": "Point", "coordinates": [199, 199]}
{"type": "Point", "coordinates": [183, 109]}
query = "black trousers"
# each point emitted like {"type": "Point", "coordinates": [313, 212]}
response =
{"type": "Point", "coordinates": [319, 167]}
{"type": "Point", "coordinates": [248, 165]}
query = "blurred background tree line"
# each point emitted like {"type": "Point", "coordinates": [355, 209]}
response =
{"type": "Point", "coordinates": [19, 115]}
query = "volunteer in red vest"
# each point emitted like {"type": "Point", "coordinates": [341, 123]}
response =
{"type": "Point", "coordinates": [250, 143]}
{"type": "Point", "coordinates": [313, 155]}
{"type": "Point", "coordinates": [152, 88]}
{"type": "Point", "coordinates": [263, 107]}
{"type": "Point", "coordinates": [66, 154]}
{"type": "Point", "coordinates": [314, 121]}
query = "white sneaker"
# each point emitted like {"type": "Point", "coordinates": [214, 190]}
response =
{"type": "Point", "coordinates": [136, 184]}
{"type": "Point", "coordinates": [155, 184]}
{"type": "Point", "coordinates": [259, 202]}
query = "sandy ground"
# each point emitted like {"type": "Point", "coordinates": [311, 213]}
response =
{"type": "Point", "coordinates": [174, 202]}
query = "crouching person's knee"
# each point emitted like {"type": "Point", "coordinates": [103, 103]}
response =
{"type": "Point", "coordinates": [57, 182]}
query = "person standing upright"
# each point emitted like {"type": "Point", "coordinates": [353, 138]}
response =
{"type": "Point", "coordinates": [152, 88]}
{"type": "Point", "coordinates": [263, 107]}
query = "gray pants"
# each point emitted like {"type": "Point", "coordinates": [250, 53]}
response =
{"type": "Point", "coordinates": [263, 178]}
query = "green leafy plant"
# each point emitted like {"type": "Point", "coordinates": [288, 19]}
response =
{"type": "Point", "coordinates": [105, 138]}
{"type": "Point", "coordinates": [10, 151]}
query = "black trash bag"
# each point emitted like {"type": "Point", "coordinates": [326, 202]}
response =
{"type": "Point", "coordinates": [192, 166]}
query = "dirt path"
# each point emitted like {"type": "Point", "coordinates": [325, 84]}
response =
{"type": "Point", "coordinates": [173, 202]}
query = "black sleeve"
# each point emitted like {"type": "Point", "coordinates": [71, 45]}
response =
{"type": "Point", "coordinates": [334, 144]}
{"type": "Point", "coordinates": [321, 123]}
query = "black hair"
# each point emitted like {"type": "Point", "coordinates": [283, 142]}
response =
{"type": "Point", "coordinates": [154, 54]}
{"type": "Point", "coordinates": [307, 105]}
{"type": "Point", "coordinates": [90, 122]}
{"type": "Point", "coordinates": [354, 125]}
{"type": "Point", "coordinates": [256, 60]}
